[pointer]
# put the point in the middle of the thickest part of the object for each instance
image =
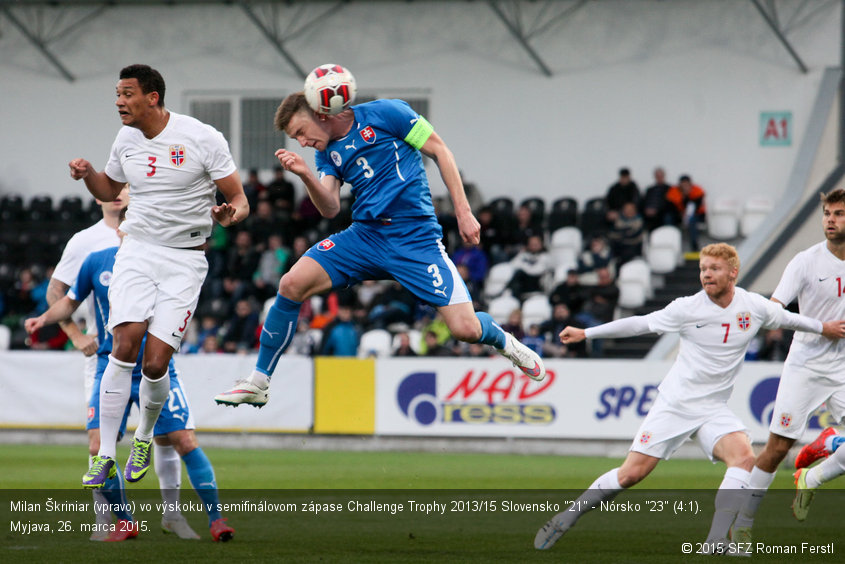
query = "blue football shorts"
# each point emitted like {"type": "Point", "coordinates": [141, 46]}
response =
{"type": "Point", "coordinates": [408, 250]}
{"type": "Point", "coordinates": [175, 414]}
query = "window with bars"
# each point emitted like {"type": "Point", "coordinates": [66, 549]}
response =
{"type": "Point", "coordinates": [246, 121]}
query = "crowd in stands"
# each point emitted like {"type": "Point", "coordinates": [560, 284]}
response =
{"type": "Point", "coordinates": [246, 262]}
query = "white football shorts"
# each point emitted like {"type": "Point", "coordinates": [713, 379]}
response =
{"type": "Point", "coordinates": [157, 284]}
{"type": "Point", "coordinates": [800, 392]}
{"type": "Point", "coordinates": [665, 429]}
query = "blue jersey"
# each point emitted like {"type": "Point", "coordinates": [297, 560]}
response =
{"type": "Point", "coordinates": [94, 277]}
{"type": "Point", "coordinates": [380, 158]}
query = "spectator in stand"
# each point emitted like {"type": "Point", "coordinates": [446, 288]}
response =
{"type": "Point", "coordinates": [600, 305]}
{"type": "Point", "coordinates": [526, 227]}
{"type": "Point", "coordinates": [264, 223]}
{"type": "Point", "coordinates": [210, 345]}
{"type": "Point", "coordinates": [341, 336]}
{"type": "Point", "coordinates": [433, 347]}
{"type": "Point", "coordinates": [569, 292]}
{"type": "Point", "coordinates": [654, 202]}
{"type": "Point", "coordinates": [395, 305]}
{"type": "Point", "coordinates": [307, 217]}
{"type": "Point", "coordinates": [240, 267]}
{"type": "Point", "coordinates": [494, 239]}
{"type": "Point", "coordinates": [624, 190]}
{"type": "Point", "coordinates": [626, 235]}
{"type": "Point", "coordinates": [281, 192]}
{"type": "Point", "coordinates": [209, 326]}
{"type": "Point", "coordinates": [775, 344]}
{"type": "Point", "coordinates": [239, 332]}
{"type": "Point", "coordinates": [530, 266]}
{"type": "Point", "coordinates": [598, 255]}
{"type": "Point", "coordinates": [300, 245]}
{"type": "Point", "coordinates": [477, 350]}
{"type": "Point", "coordinates": [686, 207]}
{"type": "Point", "coordinates": [270, 266]}
{"type": "Point", "coordinates": [474, 258]}
{"type": "Point", "coordinates": [404, 348]}
{"type": "Point", "coordinates": [514, 324]}
{"type": "Point", "coordinates": [253, 188]}
{"type": "Point", "coordinates": [561, 319]}
{"type": "Point", "coordinates": [534, 339]}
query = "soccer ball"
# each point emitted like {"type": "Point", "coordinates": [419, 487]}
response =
{"type": "Point", "coordinates": [330, 89]}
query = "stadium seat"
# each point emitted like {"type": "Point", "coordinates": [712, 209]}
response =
{"type": "Point", "coordinates": [535, 310]}
{"type": "Point", "coordinates": [501, 308]}
{"type": "Point", "coordinates": [70, 209]}
{"type": "Point", "coordinates": [564, 213]}
{"type": "Point", "coordinates": [497, 278]}
{"type": "Point", "coordinates": [538, 209]}
{"type": "Point", "coordinates": [754, 214]}
{"type": "Point", "coordinates": [501, 206]}
{"type": "Point", "coordinates": [664, 249]}
{"type": "Point", "coordinates": [375, 342]}
{"type": "Point", "coordinates": [565, 245]}
{"type": "Point", "coordinates": [11, 208]}
{"type": "Point", "coordinates": [40, 209]}
{"type": "Point", "coordinates": [723, 218]}
{"type": "Point", "coordinates": [634, 284]}
{"type": "Point", "coordinates": [414, 337]}
{"type": "Point", "coordinates": [593, 219]}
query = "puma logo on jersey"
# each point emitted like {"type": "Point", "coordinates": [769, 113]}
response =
{"type": "Point", "coordinates": [437, 291]}
{"type": "Point", "coordinates": [351, 146]}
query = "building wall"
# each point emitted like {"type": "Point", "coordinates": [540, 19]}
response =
{"type": "Point", "coordinates": [636, 83]}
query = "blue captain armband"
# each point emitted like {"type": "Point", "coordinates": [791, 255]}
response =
{"type": "Point", "coordinates": [419, 134]}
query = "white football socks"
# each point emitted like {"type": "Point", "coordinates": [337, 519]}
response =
{"type": "Point", "coordinates": [151, 397]}
{"type": "Point", "coordinates": [115, 389]}
{"type": "Point", "coordinates": [604, 488]}
{"type": "Point", "coordinates": [758, 485]}
{"type": "Point", "coordinates": [168, 467]}
{"type": "Point", "coordinates": [729, 499]}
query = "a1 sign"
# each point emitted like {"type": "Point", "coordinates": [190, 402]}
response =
{"type": "Point", "coordinates": [775, 129]}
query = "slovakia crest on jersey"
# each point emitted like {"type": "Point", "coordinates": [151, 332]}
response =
{"type": "Point", "coordinates": [743, 320]}
{"type": "Point", "coordinates": [368, 135]}
{"type": "Point", "coordinates": [177, 154]}
{"type": "Point", "coordinates": [325, 244]}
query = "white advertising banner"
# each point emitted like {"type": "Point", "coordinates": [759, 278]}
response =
{"type": "Point", "coordinates": [45, 389]}
{"type": "Point", "coordinates": [579, 399]}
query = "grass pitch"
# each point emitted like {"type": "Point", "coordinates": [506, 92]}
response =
{"type": "Point", "coordinates": [306, 506]}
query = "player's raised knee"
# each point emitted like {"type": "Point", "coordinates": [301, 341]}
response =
{"type": "Point", "coordinates": [467, 330]}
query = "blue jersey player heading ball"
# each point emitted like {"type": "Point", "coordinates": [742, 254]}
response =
{"type": "Point", "coordinates": [377, 148]}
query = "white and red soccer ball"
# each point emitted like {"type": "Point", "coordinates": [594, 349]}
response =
{"type": "Point", "coordinates": [330, 89]}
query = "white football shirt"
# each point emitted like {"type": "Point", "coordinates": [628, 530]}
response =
{"type": "Point", "coordinates": [713, 343]}
{"type": "Point", "coordinates": [170, 177]}
{"type": "Point", "coordinates": [95, 238]}
{"type": "Point", "coordinates": [817, 279]}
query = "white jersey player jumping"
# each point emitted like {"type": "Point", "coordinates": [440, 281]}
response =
{"type": "Point", "coordinates": [716, 325]}
{"type": "Point", "coordinates": [813, 371]}
{"type": "Point", "coordinates": [174, 165]}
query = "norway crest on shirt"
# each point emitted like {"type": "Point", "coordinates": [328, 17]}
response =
{"type": "Point", "coordinates": [177, 154]}
{"type": "Point", "coordinates": [368, 135]}
{"type": "Point", "coordinates": [743, 320]}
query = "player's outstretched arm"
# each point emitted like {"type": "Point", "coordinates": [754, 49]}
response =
{"type": "Point", "coordinates": [59, 311]}
{"type": "Point", "coordinates": [98, 183]}
{"type": "Point", "coordinates": [572, 335]}
{"type": "Point", "coordinates": [236, 207]}
{"type": "Point", "coordinates": [324, 193]}
{"type": "Point", "coordinates": [833, 329]}
{"type": "Point", "coordinates": [56, 291]}
{"type": "Point", "coordinates": [436, 149]}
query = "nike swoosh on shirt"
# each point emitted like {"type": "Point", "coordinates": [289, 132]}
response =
{"type": "Point", "coordinates": [699, 326]}
{"type": "Point", "coordinates": [823, 279]}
